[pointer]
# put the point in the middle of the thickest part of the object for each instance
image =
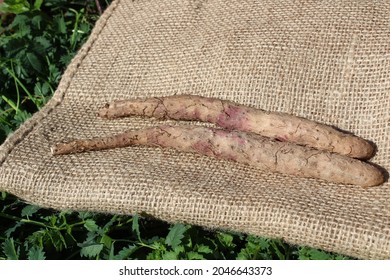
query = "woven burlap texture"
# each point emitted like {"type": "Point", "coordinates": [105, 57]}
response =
{"type": "Point", "coordinates": [327, 61]}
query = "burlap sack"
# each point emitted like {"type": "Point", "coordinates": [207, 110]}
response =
{"type": "Point", "coordinates": [328, 61]}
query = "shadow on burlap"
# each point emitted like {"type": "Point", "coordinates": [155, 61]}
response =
{"type": "Point", "coordinates": [326, 61]}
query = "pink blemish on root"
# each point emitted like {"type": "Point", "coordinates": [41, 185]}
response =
{"type": "Point", "coordinates": [233, 117]}
{"type": "Point", "coordinates": [203, 147]}
{"type": "Point", "coordinates": [185, 114]}
{"type": "Point", "coordinates": [282, 138]}
{"type": "Point", "coordinates": [197, 114]}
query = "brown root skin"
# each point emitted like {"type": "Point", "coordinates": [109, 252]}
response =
{"type": "Point", "coordinates": [233, 116]}
{"type": "Point", "coordinates": [246, 148]}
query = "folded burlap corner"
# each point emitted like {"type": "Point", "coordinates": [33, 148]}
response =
{"type": "Point", "coordinates": [326, 61]}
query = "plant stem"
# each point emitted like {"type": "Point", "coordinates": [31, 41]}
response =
{"type": "Point", "coordinates": [99, 7]}
{"type": "Point", "coordinates": [10, 217]}
{"type": "Point", "coordinates": [21, 85]}
{"type": "Point", "coordinates": [16, 86]}
{"type": "Point", "coordinates": [75, 28]}
{"type": "Point", "coordinates": [33, 222]}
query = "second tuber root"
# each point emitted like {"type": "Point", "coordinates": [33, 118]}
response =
{"type": "Point", "coordinates": [247, 148]}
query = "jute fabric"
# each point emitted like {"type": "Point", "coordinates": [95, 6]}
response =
{"type": "Point", "coordinates": [328, 61]}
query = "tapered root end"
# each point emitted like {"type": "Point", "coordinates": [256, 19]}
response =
{"type": "Point", "coordinates": [357, 147]}
{"type": "Point", "coordinates": [364, 149]}
{"type": "Point", "coordinates": [53, 150]}
{"type": "Point", "coordinates": [59, 149]}
{"type": "Point", "coordinates": [104, 111]}
{"type": "Point", "coordinates": [68, 148]}
{"type": "Point", "coordinates": [376, 178]}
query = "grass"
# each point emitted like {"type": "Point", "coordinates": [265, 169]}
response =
{"type": "Point", "coordinates": [37, 41]}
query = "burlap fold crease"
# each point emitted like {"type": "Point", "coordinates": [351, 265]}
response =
{"type": "Point", "coordinates": [328, 61]}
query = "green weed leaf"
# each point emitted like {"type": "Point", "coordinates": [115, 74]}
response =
{"type": "Point", "coordinates": [34, 61]}
{"type": "Point", "coordinates": [10, 230]}
{"type": "Point", "coordinates": [111, 255]}
{"type": "Point", "coordinates": [204, 249]}
{"type": "Point", "coordinates": [175, 235]}
{"type": "Point", "coordinates": [84, 28]}
{"type": "Point", "coordinates": [306, 253]}
{"type": "Point", "coordinates": [37, 21]}
{"type": "Point", "coordinates": [15, 6]}
{"type": "Point", "coordinates": [42, 91]}
{"type": "Point", "coordinates": [226, 239]}
{"type": "Point", "coordinates": [125, 253]}
{"type": "Point", "coordinates": [38, 4]}
{"type": "Point", "coordinates": [43, 41]}
{"type": "Point", "coordinates": [91, 251]}
{"type": "Point", "coordinates": [194, 256]}
{"type": "Point", "coordinates": [257, 248]}
{"type": "Point", "coordinates": [106, 240]}
{"type": "Point", "coordinates": [57, 239]}
{"type": "Point", "coordinates": [135, 226]}
{"type": "Point", "coordinates": [91, 225]}
{"type": "Point", "coordinates": [36, 253]}
{"type": "Point", "coordinates": [171, 255]}
{"type": "Point", "coordinates": [85, 215]}
{"type": "Point", "coordinates": [9, 249]}
{"type": "Point", "coordinates": [20, 117]}
{"type": "Point", "coordinates": [60, 25]}
{"type": "Point", "coordinates": [29, 210]}
{"type": "Point", "coordinates": [3, 195]}
{"type": "Point", "coordinates": [66, 58]}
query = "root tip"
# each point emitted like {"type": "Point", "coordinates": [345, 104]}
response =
{"type": "Point", "coordinates": [53, 150]}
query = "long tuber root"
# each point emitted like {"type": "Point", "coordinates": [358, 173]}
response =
{"type": "Point", "coordinates": [232, 116]}
{"type": "Point", "coordinates": [240, 147]}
